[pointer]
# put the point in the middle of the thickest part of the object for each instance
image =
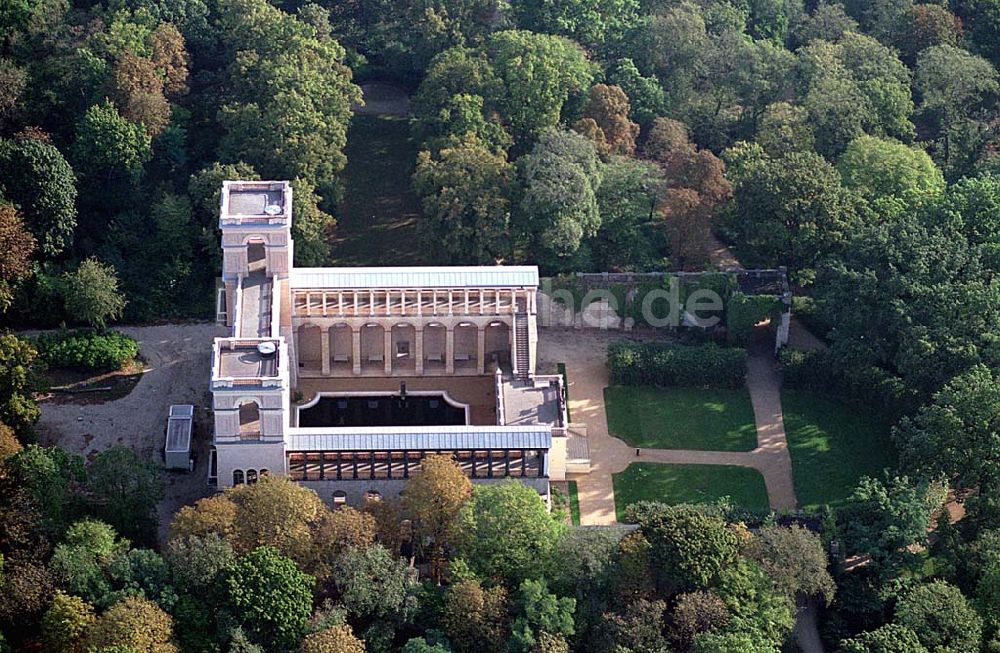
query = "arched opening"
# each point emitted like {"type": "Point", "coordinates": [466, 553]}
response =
{"type": "Point", "coordinates": [250, 428]}
{"type": "Point", "coordinates": [466, 347]}
{"type": "Point", "coordinates": [251, 476]}
{"type": "Point", "coordinates": [403, 349]}
{"type": "Point", "coordinates": [372, 347]}
{"type": "Point", "coordinates": [341, 349]}
{"type": "Point", "coordinates": [310, 348]}
{"type": "Point", "coordinates": [256, 256]}
{"type": "Point", "coordinates": [435, 344]}
{"type": "Point", "coordinates": [237, 477]}
{"type": "Point", "coordinates": [497, 342]}
{"type": "Point", "coordinates": [265, 472]}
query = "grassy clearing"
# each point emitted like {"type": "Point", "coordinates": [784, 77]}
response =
{"type": "Point", "coordinates": [574, 503]}
{"type": "Point", "coordinates": [378, 220]}
{"type": "Point", "coordinates": [681, 418]}
{"type": "Point", "coordinates": [832, 446]}
{"type": "Point", "coordinates": [676, 484]}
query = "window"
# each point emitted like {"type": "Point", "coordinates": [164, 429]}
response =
{"type": "Point", "coordinates": [265, 472]}
{"type": "Point", "coordinates": [251, 476]}
{"type": "Point", "coordinates": [237, 477]}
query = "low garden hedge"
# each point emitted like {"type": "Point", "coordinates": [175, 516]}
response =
{"type": "Point", "coordinates": [91, 351]}
{"type": "Point", "coordinates": [707, 366]}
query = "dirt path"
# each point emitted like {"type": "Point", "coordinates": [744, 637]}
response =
{"type": "Point", "coordinates": [585, 355]}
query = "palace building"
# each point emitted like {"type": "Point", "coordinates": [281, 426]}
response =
{"type": "Point", "coordinates": [345, 378]}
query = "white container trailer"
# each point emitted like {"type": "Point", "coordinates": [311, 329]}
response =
{"type": "Point", "coordinates": [177, 452]}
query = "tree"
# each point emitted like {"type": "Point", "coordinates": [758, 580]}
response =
{"type": "Point", "coordinates": [197, 563]}
{"type": "Point", "coordinates": [954, 435]}
{"type": "Point", "coordinates": [760, 612]}
{"type": "Point", "coordinates": [18, 380]}
{"type": "Point", "coordinates": [8, 443]}
{"type": "Point", "coordinates": [91, 293]}
{"type": "Point", "coordinates": [695, 613]}
{"type": "Point", "coordinates": [982, 20]}
{"type": "Point", "coordinates": [475, 619]}
{"type": "Point", "coordinates": [638, 627]}
{"type": "Point", "coordinates": [690, 548]}
{"type": "Point", "coordinates": [336, 639]}
{"type": "Point", "coordinates": [608, 107]}
{"type": "Point", "coordinates": [924, 26]}
{"type": "Point", "coordinates": [269, 597]}
{"type": "Point", "coordinates": [541, 613]}
{"type": "Point", "coordinates": [785, 128]}
{"type": "Point", "coordinates": [593, 23]}
{"type": "Point", "coordinates": [343, 529]}
{"type": "Point", "coordinates": [125, 490]}
{"type": "Point", "coordinates": [13, 80]}
{"type": "Point", "coordinates": [941, 617]}
{"type": "Point", "coordinates": [170, 58]}
{"type": "Point", "coordinates": [139, 93]}
{"type": "Point", "coordinates": [890, 638]}
{"type": "Point", "coordinates": [25, 590]}
{"type": "Point", "coordinates": [288, 94]}
{"type": "Point", "coordinates": [646, 97]}
{"type": "Point", "coordinates": [794, 558]}
{"type": "Point", "coordinates": [954, 87]}
{"type": "Point", "coordinates": [17, 245]}
{"type": "Point", "coordinates": [432, 501]}
{"type": "Point", "coordinates": [136, 624]}
{"type": "Point", "coordinates": [465, 193]}
{"type": "Point", "coordinates": [882, 519]}
{"type": "Point", "coordinates": [373, 583]}
{"type": "Point", "coordinates": [109, 148]}
{"type": "Point", "coordinates": [50, 476]}
{"type": "Point", "coordinates": [312, 227]}
{"type": "Point", "coordinates": [879, 168]}
{"type": "Point", "coordinates": [78, 562]}
{"type": "Point", "coordinates": [66, 622]}
{"type": "Point", "coordinates": [828, 22]}
{"type": "Point", "coordinates": [538, 73]}
{"type": "Point", "coordinates": [626, 199]}
{"type": "Point", "coordinates": [789, 210]}
{"type": "Point", "coordinates": [507, 532]}
{"type": "Point", "coordinates": [35, 176]}
{"type": "Point", "coordinates": [211, 515]}
{"type": "Point", "coordinates": [559, 204]}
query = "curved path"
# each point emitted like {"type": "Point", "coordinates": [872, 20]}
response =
{"type": "Point", "coordinates": [587, 379]}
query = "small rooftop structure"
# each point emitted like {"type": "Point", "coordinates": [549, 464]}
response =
{"type": "Point", "coordinates": [255, 202]}
{"type": "Point", "coordinates": [537, 401]}
{"type": "Point", "coordinates": [428, 438]}
{"type": "Point", "coordinates": [247, 362]}
{"type": "Point", "coordinates": [177, 451]}
{"type": "Point", "coordinates": [496, 276]}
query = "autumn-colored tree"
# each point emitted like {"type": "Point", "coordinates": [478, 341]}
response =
{"type": "Point", "coordinates": [170, 58]}
{"type": "Point", "coordinates": [388, 516]}
{"type": "Point", "coordinates": [25, 589]}
{"type": "Point", "coordinates": [215, 514]}
{"type": "Point", "coordinates": [136, 623]}
{"type": "Point", "coordinates": [475, 619]}
{"type": "Point", "coordinates": [16, 248]}
{"type": "Point", "coordinates": [8, 442]}
{"type": "Point", "coordinates": [139, 93]}
{"type": "Point", "coordinates": [608, 107]}
{"type": "Point", "coordinates": [432, 501]}
{"type": "Point", "coordinates": [336, 639]}
{"type": "Point", "coordinates": [341, 529]}
{"type": "Point", "coordinates": [66, 622]}
{"type": "Point", "coordinates": [688, 223]}
{"type": "Point", "coordinates": [634, 578]}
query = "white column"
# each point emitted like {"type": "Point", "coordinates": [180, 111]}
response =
{"type": "Point", "coordinates": [449, 350]}
{"type": "Point", "coordinates": [388, 353]}
{"type": "Point", "coordinates": [356, 350]}
{"type": "Point", "coordinates": [325, 345]}
{"type": "Point", "coordinates": [418, 349]}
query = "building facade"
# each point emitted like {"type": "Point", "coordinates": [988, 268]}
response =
{"type": "Point", "coordinates": [346, 378]}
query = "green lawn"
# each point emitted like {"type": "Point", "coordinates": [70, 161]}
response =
{"type": "Point", "coordinates": [688, 484]}
{"type": "Point", "coordinates": [574, 503]}
{"type": "Point", "coordinates": [832, 446]}
{"type": "Point", "coordinates": [377, 223]}
{"type": "Point", "coordinates": [681, 418]}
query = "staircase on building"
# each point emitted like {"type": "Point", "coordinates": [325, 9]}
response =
{"type": "Point", "coordinates": [521, 345]}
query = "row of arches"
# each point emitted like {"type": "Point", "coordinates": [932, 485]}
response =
{"type": "Point", "coordinates": [249, 477]}
{"type": "Point", "coordinates": [402, 347]}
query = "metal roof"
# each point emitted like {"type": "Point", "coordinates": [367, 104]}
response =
{"type": "Point", "coordinates": [498, 276]}
{"type": "Point", "coordinates": [179, 429]}
{"type": "Point", "coordinates": [430, 438]}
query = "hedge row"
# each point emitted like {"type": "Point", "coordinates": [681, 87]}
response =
{"type": "Point", "coordinates": [866, 386]}
{"type": "Point", "coordinates": [87, 350]}
{"type": "Point", "coordinates": [707, 366]}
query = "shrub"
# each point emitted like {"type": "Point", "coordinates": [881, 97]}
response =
{"type": "Point", "coordinates": [662, 365]}
{"type": "Point", "coordinates": [87, 350]}
{"type": "Point", "coordinates": [743, 312]}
